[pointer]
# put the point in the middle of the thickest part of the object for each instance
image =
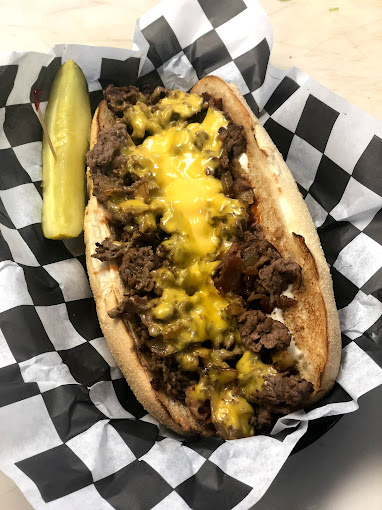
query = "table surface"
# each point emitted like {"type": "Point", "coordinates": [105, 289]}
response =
{"type": "Point", "coordinates": [342, 50]}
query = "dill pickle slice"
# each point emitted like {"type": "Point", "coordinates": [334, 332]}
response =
{"type": "Point", "coordinates": [68, 119]}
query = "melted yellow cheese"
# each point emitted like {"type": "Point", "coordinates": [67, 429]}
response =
{"type": "Point", "coordinates": [143, 119]}
{"type": "Point", "coordinates": [193, 210]}
{"type": "Point", "coordinates": [251, 372]}
{"type": "Point", "coordinates": [199, 219]}
{"type": "Point", "coordinates": [231, 414]}
{"type": "Point", "coordinates": [185, 105]}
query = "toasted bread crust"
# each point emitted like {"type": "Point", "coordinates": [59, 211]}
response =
{"type": "Point", "coordinates": [286, 224]}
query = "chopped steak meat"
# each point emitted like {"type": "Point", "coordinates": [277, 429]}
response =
{"type": "Point", "coordinates": [234, 143]}
{"type": "Point", "coordinates": [257, 251]}
{"type": "Point", "coordinates": [109, 249]}
{"type": "Point", "coordinates": [254, 269]}
{"type": "Point", "coordinates": [283, 392]}
{"type": "Point", "coordinates": [169, 377]}
{"type": "Point", "coordinates": [137, 263]}
{"type": "Point", "coordinates": [251, 275]}
{"type": "Point", "coordinates": [109, 143]}
{"type": "Point", "coordinates": [119, 98]}
{"type": "Point", "coordinates": [214, 102]}
{"type": "Point", "coordinates": [258, 331]}
{"type": "Point", "coordinates": [129, 305]}
{"type": "Point", "coordinates": [284, 302]}
{"type": "Point", "coordinates": [279, 274]}
{"type": "Point", "coordinates": [104, 186]}
{"type": "Point", "coordinates": [262, 420]}
{"type": "Point", "coordinates": [241, 189]}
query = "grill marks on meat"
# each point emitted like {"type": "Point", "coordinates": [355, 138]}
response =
{"type": "Point", "coordinates": [258, 331]}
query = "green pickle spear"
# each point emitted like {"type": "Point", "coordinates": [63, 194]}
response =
{"type": "Point", "coordinates": [68, 119]}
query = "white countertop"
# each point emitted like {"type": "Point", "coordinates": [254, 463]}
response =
{"type": "Point", "coordinates": [341, 49]}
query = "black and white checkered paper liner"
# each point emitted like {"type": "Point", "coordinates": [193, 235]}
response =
{"type": "Point", "coordinates": [72, 434]}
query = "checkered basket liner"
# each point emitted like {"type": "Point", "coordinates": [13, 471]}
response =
{"type": "Point", "coordinates": [72, 434]}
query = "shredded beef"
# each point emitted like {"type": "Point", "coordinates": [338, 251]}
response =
{"type": "Point", "coordinates": [242, 190]}
{"type": "Point", "coordinates": [284, 302]}
{"type": "Point", "coordinates": [109, 249]}
{"type": "Point", "coordinates": [283, 392]}
{"type": "Point", "coordinates": [137, 263]}
{"type": "Point", "coordinates": [104, 186]}
{"type": "Point", "coordinates": [148, 238]}
{"type": "Point", "coordinates": [279, 274]}
{"type": "Point", "coordinates": [257, 331]}
{"type": "Point", "coordinates": [227, 182]}
{"type": "Point", "coordinates": [235, 308]}
{"type": "Point", "coordinates": [258, 298]}
{"type": "Point", "coordinates": [109, 143]}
